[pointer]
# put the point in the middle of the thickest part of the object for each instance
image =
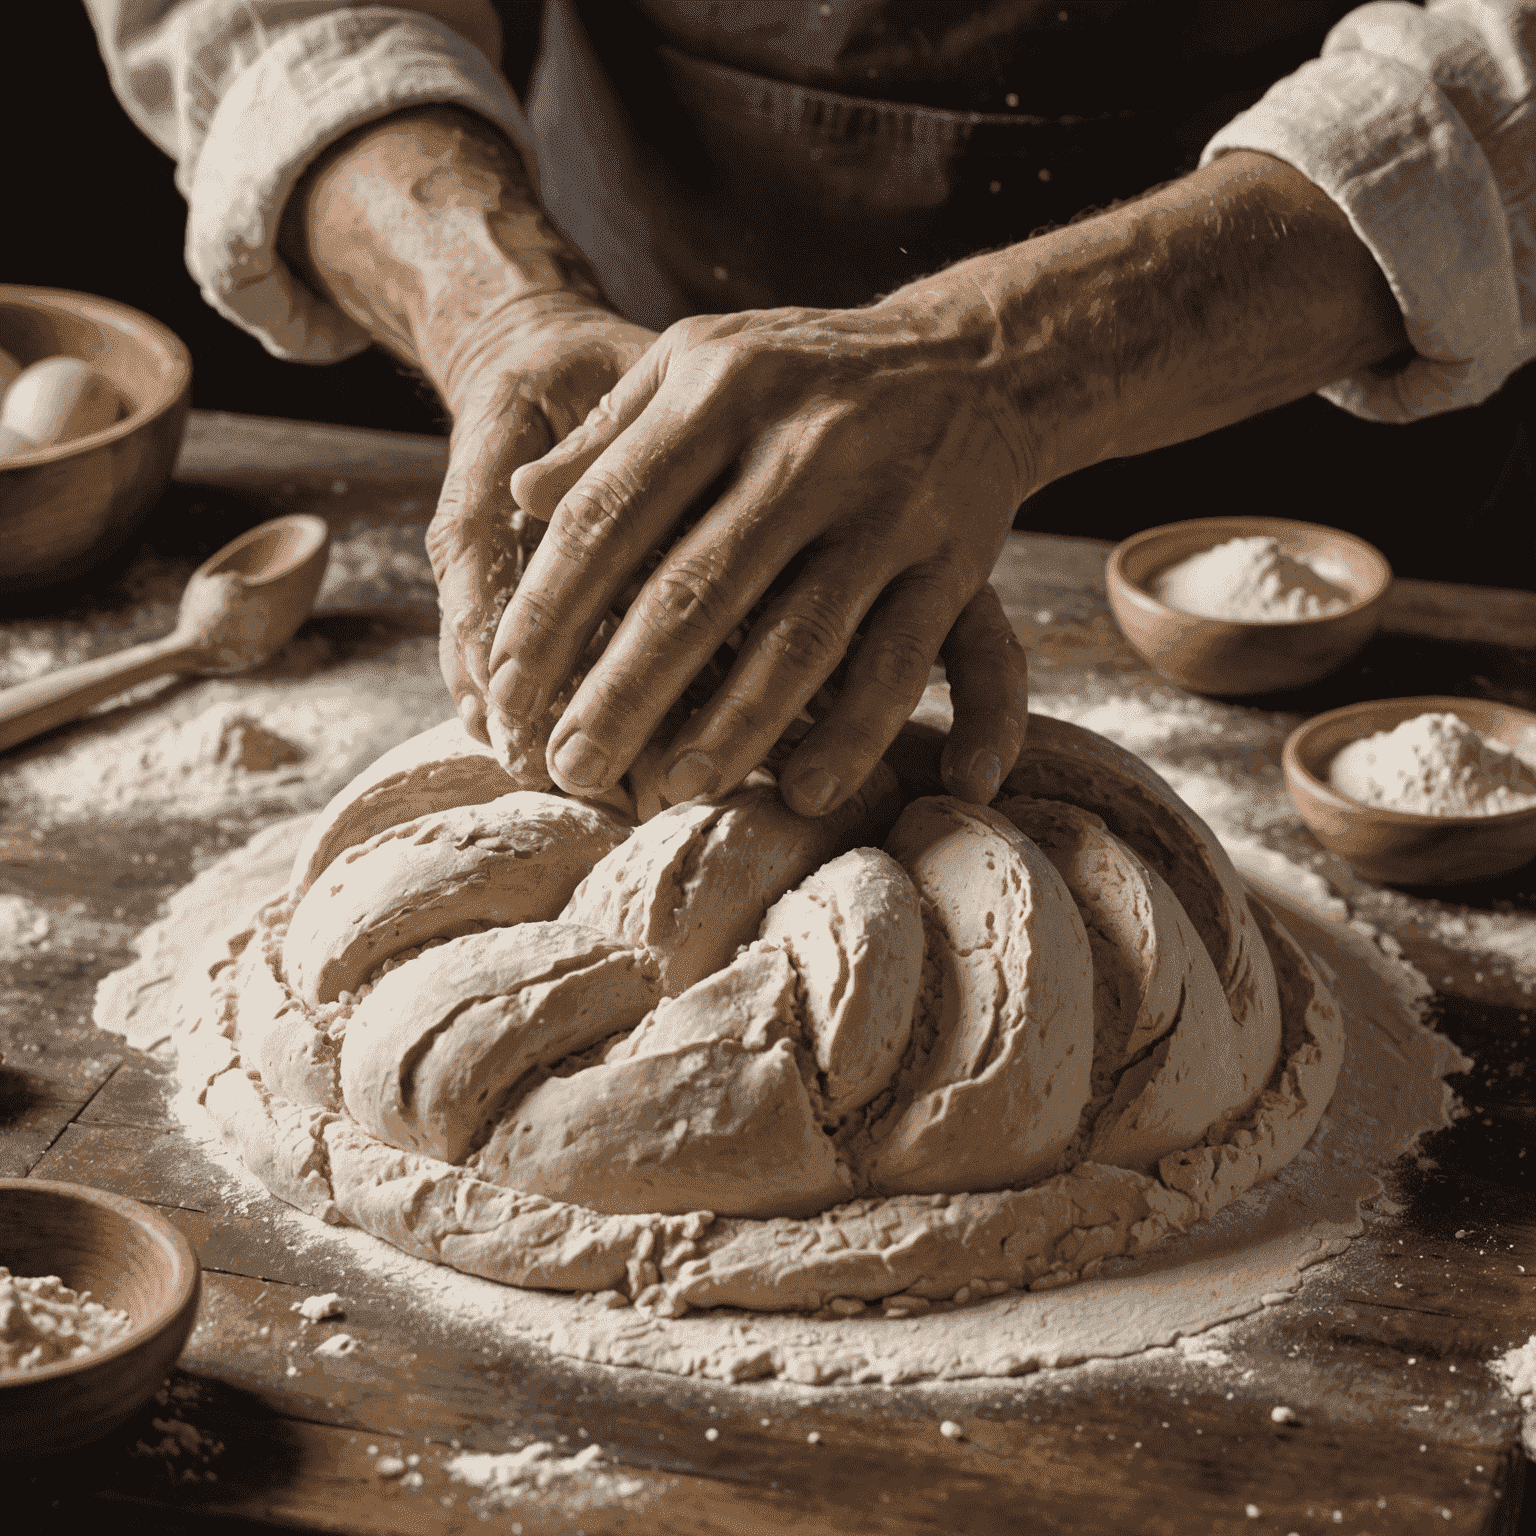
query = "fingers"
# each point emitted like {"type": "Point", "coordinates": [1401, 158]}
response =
{"type": "Point", "coordinates": [626, 502]}
{"type": "Point", "coordinates": [466, 697]}
{"type": "Point", "coordinates": [789, 654]}
{"type": "Point", "coordinates": [472, 545]}
{"type": "Point", "coordinates": [988, 675]}
{"type": "Point", "coordinates": [699, 594]}
{"type": "Point", "coordinates": [538, 487]}
{"type": "Point", "coordinates": [884, 683]}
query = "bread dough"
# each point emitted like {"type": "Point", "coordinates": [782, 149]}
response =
{"type": "Point", "coordinates": [515, 859]}
{"type": "Point", "coordinates": [1165, 1064]}
{"type": "Point", "coordinates": [995, 1097]}
{"type": "Point", "coordinates": [756, 1062]}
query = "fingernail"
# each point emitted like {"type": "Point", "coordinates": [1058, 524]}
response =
{"type": "Point", "coordinates": [580, 761]}
{"type": "Point", "coordinates": [814, 790]}
{"type": "Point", "coordinates": [692, 774]}
{"type": "Point", "coordinates": [986, 772]}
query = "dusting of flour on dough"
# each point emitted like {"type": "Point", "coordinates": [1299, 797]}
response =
{"type": "Point", "coordinates": [1220, 1271]}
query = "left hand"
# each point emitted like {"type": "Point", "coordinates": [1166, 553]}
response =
{"type": "Point", "coordinates": [525, 381]}
{"type": "Point", "coordinates": [879, 450]}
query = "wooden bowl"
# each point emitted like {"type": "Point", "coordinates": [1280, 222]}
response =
{"type": "Point", "coordinates": [1402, 847]}
{"type": "Point", "coordinates": [127, 1256]}
{"type": "Point", "coordinates": [68, 507]}
{"type": "Point", "coordinates": [1225, 656]}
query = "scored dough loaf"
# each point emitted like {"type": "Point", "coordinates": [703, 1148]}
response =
{"type": "Point", "coordinates": [742, 1014]}
{"type": "Point", "coordinates": [694, 883]}
{"type": "Point", "coordinates": [515, 859]}
{"type": "Point", "coordinates": [1062, 761]}
{"type": "Point", "coordinates": [431, 1052]}
{"type": "Point", "coordinates": [1165, 1063]}
{"type": "Point", "coordinates": [714, 1126]}
{"type": "Point", "coordinates": [996, 1099]}
{"type": "Point", "coordinates": [854, 930]}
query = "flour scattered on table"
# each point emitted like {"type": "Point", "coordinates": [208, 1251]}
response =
{"type": "Point", "coordinates": [515, 1475]}
{"type": "Point", "coordinates": [281, 742]}
{"type": "Point", "coordinates": [23, 926]}
{"type": "Point", "coordinates": [184, 1450]}
{"type": "Point", "coordinates": [315, 1309]}
{"type": "Point", "coordinates": [43, 1321]}
{"type": "Point", "coordinates": [1198, 1349]}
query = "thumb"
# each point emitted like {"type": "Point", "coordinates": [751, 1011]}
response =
{"type": "Point", "coordinates": [475, 544]}
{"type": "Point", "coordinates": [538, 487]}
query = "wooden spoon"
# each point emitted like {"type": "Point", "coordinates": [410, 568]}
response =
{"type": "Point", "coordinates": [240, 605]}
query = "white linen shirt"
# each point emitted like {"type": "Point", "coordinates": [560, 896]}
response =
{"type": "Point", "coordinates": [1417, 121]}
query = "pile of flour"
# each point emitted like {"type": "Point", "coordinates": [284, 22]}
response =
{"type": "Point", "coordinates": [42, 1321]}
{"type": "Point", "coordinates": [1254, 581]}
{"type": "Point", "coordinates": [1434, 765]}
{"type": "Point", "coordinates": [1517, 1371]}
{"type": "Point", "coordinates": [282, 741]}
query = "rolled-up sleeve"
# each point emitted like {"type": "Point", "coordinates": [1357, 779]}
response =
{"type": "Point", "coordinates": [244, 94]}
{"type": "Point", "coordinates": [1419, 124]}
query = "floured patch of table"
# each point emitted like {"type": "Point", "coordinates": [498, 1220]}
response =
{"type": "Point", "coordinates": [1389, 1091]}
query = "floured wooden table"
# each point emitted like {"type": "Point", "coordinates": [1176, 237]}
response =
{"type": "Point", "coordinates": [1396, 1423]}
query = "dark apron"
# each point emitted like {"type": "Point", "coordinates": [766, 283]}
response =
{"type": "Point", "coordinates": [710, 158]}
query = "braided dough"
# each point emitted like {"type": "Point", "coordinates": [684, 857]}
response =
{"type": "Point", "coordinates": [737, 1057]}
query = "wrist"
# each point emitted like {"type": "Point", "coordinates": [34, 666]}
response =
{"type": "Point", "coordinates": [425, 229]}
{"type": "Point", "coordinates": [1232, 291]}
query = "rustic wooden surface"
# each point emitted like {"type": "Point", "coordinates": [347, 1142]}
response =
{"type": "Point", "coordinates": [1399, 1426]}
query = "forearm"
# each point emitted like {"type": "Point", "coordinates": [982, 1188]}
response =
{"type": "Point", "coordinates": [425, 229]}
{"type": "Point", "coordinates": [1234, 290]}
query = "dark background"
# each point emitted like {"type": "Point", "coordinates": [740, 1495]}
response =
{"type": "Point", "coordinates": [92, 206]}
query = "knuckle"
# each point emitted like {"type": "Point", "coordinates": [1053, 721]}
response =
{"type": "Point", "coordinates": [860, 739]}
{"type": "Point", "coordinates": [534, 616]}
{"type": "Point", "coordinates": [810, 638]}
{"type": "Point", "coordinates": [737, 722]}
{"type": "Point", "coordinates": [897, 662]}
{"type": "Point", "coordinates": [684, 600]}
{"type": "Point", "coordinates": [690, 332]}
{"type": "Point", "coordinates": [599, 508]}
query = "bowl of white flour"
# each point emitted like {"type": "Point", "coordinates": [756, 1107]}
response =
{"type": "Point", "coordinates": [1245, 605]}
{"type": "Point", "coordinates": [1419, 791]}
{"type": "Point", "coordinates": [97, 1296]}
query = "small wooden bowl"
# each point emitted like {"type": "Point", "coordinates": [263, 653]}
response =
{"type": "Point", "coordinates": [66, 508]}
{"type": "Point", "coordinates": [1400, 847]}
{"type": "Point", "coordinates": [1225, 656]}
{"type": "Point", "coordinates": [127, 1256]}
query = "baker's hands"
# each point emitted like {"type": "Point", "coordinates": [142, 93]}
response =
{"type": "Point", "coordinates": [873, 456]}
{"type": "Point", "coordinates": [516, 388]}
